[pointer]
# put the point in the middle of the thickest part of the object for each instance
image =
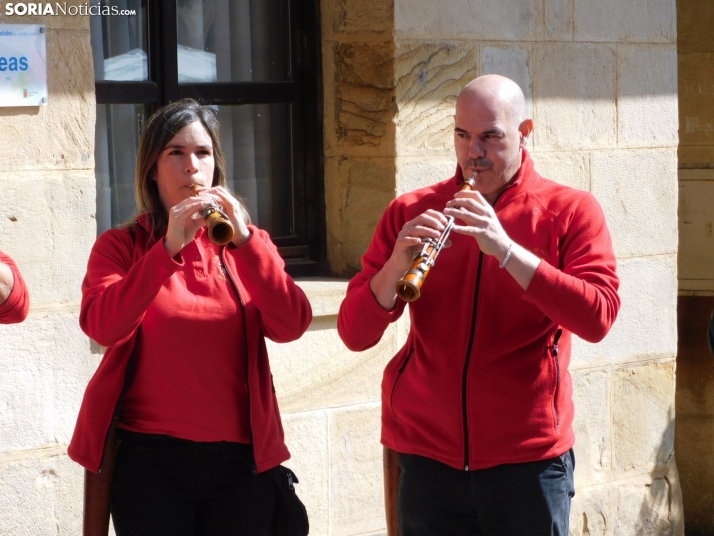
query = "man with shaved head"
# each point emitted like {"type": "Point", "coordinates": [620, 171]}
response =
{"type": "Point", "coordinates": [477, 406]}
{"type": "Point", "coordinates": [14, 300]}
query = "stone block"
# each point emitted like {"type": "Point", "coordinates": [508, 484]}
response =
{"type": "Point", "coordinates": [558, 20]}
{"type": "Point", "coordinates": [318, 371]}
{"type": "Point", "coordinates": [636, 21]}
{"type": "Point", "coordinates": [61, 134]}
{"type": "Point", "coordinates": [647, 97]}
{"type": "Point", "coordinates": [306, 435]}
{"type": "Point", "coordinates": [42, 380]}
{"type": "Point", "coordinates": [325, 294]}
{"type": "Point", "coordinates": [357, 482]}
{"type": "Point", "coordinates": [696, 235]}
{"type": "Point", "coordinates": [359, 16]}
{"type": "Point", "coordinates": [591, 396]}
{"type": "Point", "coordinates": [638, 192]}
{"type": "Point", "coordinates": [41, 495]}
{"type": "Point", "coordinates": [364, 98]}
{"type": "Point", "coordinates": [419, 172]}
{"type": "Point", "coordinates": [590, 513]}
{"type": "Point", "coordinates": [693, 444]}
{"type": "Point", "coordinates": [512, 62]}
{"type": "Point", "coordinates": [646, 506]}
{"type": "Point", "coordinates": [569, 168]}
{"type": "Point", "coordinates": [429, 78]}
{"type": "Point", "coordinates": [356, 195]}
{"type": "Point", "coordinates": [646, 326]}
{"type": "Point", "coordinates": [48, 227]}
{"type": "Point", "coordinates": [643, 416]}
{"type": "Point", "coordinates": [696, 90]}
{"type": "Point", "coordinates": [490, 20]}
{"type": "Point", "coordinates": [574, 98]}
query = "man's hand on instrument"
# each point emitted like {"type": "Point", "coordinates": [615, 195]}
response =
{"type": "Point", "coordinates": [410, 239]}
{"type": "Point", "coordinates": [480, 221]}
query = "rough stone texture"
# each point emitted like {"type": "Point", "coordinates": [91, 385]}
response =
{"type": "Point", "coordinates": [647, 96]}
{"type": "Point", "coordinates": [364, 99]}
{"type": "Point", "coordinates": [559, 20]}
{"type": "Point", "coordinates": [638, 21]}
{"type": "Point", "coordinates": [357, 499]}
{"type": "Point", "coordinates": [591, 396]}
{"type": "Point", "coordinates": [569, 168]}
{"type": "Point", "coordinates": [646, 327]}
{"type": "Point", "coordinates": [429, 78]}
{"type": "Point", "coordinates": [696, 233]}
{"type": "Point", "coordinates": [645, 509]}
{"type": "Point", "coordinates": [645, 437]}
{"type": "Point", "coordinates": [590, 512]}
{"type": "Point", "coordinates": [317, 371]}
{"type": "Point", "coordinates": [54, 213]}
{"type": "Point", "coordinates": [512, 62]}
{"type": "Point", "coordinates": [307, 437]}
{"type": "Point", "coordinates": [358, 16]}
{"type": "Point", "coordinates": [637, 190]}
{"type": "Point", "coordinates": [42, 380]}
{"type": "Point", "coordinates": [41, 494]}
{"type": "Point", "coordinates": [487, 20]}
{"type": "Point", "coordinates": [356, 195]}
{"type": "Point", "coordinates": [574, 104]}
{"type": "Point", "coordinates": [64, 141]}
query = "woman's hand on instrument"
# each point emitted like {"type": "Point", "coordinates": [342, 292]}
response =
{"type": "Point", "coordinates": [233, 209]}
{"type": "Point", "coordinates": [184, 222]}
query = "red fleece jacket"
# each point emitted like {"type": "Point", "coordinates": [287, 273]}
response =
{"type": "Point", "coordinates": [483, 378]}
{"type": "Point", "coordinates": [14, 309]}
{"type": "Point", "coordinates": [126, 269]}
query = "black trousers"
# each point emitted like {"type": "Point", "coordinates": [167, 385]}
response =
{"type": "Point", "coordinates": [165, 486]}
{"type": "Point", "coordinates": [524, 499]}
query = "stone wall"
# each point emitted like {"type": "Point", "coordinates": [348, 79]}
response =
{"type": "Point", "coordinates": [695, 381]}
{"type": "Point", "coordinates": [601, 80]}
{"type": "Point", "coordinates": [47, 225]}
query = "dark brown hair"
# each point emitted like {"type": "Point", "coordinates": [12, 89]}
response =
{"type": "Point", "coordinates": [159, 131]}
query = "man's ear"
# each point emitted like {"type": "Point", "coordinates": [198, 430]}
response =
{"type": "Point", "coordinates": [525, 129]}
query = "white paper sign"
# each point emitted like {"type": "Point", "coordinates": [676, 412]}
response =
{"type": "Point", "coordinates": [23, 65]}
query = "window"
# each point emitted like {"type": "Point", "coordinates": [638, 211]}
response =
{"type": "Point", "coordinates": [257, 62]}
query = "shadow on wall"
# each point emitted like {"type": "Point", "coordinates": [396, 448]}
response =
{"type": "Point", "coordinates": [659, 513]}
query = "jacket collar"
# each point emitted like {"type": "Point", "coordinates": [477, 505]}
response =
{"type": "Point", "coordinates": [521, 181]}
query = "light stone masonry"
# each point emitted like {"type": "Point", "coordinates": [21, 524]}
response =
{"type": "Point", "coordinates": [634, 21]}
{"type": "Point", "coordinates": [644, 330]}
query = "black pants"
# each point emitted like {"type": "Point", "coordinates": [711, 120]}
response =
{"type": "Point", "coordinates": [524, 499]}
{"type": "Point", "coordinates": [173, 487]}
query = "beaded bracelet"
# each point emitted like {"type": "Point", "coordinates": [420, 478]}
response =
{"type": "Point", "coordinates": [508, 256]}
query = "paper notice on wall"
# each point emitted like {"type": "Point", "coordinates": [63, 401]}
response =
{"type": "Point", "coordinates": [23, 65]}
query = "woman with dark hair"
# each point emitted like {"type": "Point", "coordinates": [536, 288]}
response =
{"type": "Point", "coordinates": [186, 374]}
